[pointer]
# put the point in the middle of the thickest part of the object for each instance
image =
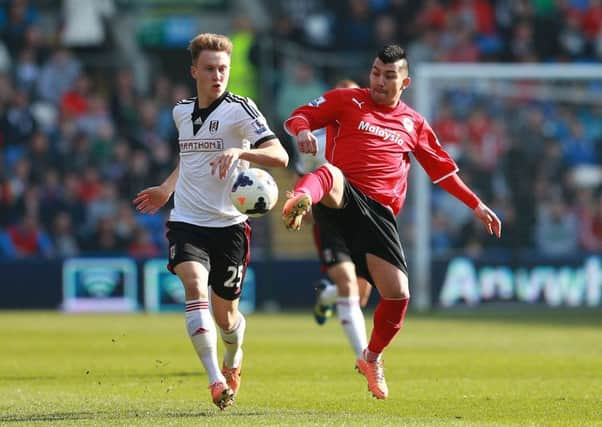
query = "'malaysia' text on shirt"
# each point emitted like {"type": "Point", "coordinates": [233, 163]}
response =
{"type": "Point", "coordinates": [383, 133]}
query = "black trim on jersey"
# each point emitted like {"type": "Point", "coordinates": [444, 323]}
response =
{"type": "Point", "coordinates": [244, 103]}
{"type": "Point", "coordinates": [203, 113]}
{"type": "Point", "coordinates": [264, 139]}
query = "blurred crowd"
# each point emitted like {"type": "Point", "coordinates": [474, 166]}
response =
{"type": "Point", "coordinates": [77, 143]}
{"type": "Point", "coordinates": [448, 30]}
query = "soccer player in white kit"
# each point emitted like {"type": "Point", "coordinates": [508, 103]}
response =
{"type": "Point", "coordinates": [219, 133]}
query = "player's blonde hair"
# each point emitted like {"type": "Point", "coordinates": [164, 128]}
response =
{"type": "Point", "coordinates": [209, 41]}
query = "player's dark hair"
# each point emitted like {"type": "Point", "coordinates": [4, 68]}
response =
{"type": "Point", "coordinates": [392, 53]}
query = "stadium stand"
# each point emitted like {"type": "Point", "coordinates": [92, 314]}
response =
{"type": "Point", "coordinates": [86, 96]}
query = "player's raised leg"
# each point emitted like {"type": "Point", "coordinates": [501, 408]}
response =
{"type": "Point", "coordinates": [392, 284]}
{"type": "Point", "coordinates": [325, 185]}
{"type": "Point", "coordinates": [232, 325]}
{"type": "Point", "coordinates": [201, 328]}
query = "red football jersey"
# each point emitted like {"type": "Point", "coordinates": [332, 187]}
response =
{"type": "Point", "coordinates": [373, 143]}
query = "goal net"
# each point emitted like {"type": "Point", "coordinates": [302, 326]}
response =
{"type": "Point", "coordinates": [528, 140]}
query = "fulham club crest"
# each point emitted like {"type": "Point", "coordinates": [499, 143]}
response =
{"type": "Point", "coordinates": [213, 125]}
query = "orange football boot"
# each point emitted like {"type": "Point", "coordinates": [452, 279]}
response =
{"type": "Point", "coordinates": [232, 377]}
{"type": "Point", "coordinates": [222, 395]}
{"type": "Point", "coordinates": [294, 209]}
{"type": "Point", "coordinates": [375, 374]}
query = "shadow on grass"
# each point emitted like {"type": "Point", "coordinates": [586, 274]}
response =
{"type": "Point", "coordinates": [231, 412]}
{"type": "Point", "coordinates": [74, 416]}
{"type": "Point", "coordinates": [103, 376]}
{"type": "Point", "coordinates": [58, 416]}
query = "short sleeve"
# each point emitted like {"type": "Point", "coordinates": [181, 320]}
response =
{"type": "Point", "coordinates": [254, 127]}
{"type": "Point", "coordinates": [432, 157]}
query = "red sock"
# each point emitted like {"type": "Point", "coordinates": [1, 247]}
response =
{"type": "Point", "coordinates": [388, 319]}
{"type": "Point", "coordinates": [316, 184]}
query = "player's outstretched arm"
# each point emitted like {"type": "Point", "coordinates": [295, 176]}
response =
{"type": "Point", "coordinates": [456, 187]}
{"type": "Point", "coordinates": [151, 199]}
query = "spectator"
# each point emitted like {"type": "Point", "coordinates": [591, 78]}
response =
{"type": "Point", "coordinates": [75, 101]}
{"type": "Point", "coordinates": [91, 187]}
{"type": "Point", "coordinates": [142, 245]}
{"type": "Point", "coordinates": [124, 97]}
{"type": "Point", "coordinates": [27, 238]}
{"type": "Point", "coordinates": [21, 123]}
{"type": "Point", "coordinates": [71, 202]}
{"type": "Point", "coordinates": [63, 236]}
{"type": "Point", "coordinates": [104, 239]}
{"type": "Point", "coordinates": [103, 206]}
{"type": "Point", "coordinates": [21, 15]}
{"type": "Point", "coordinates": [125, 221]}
{"type": "Point", "coordinates": [556, 229]}
{"type": "Point", "coordinates": [6, 201]}
{"type": "Point", "coordinates": [58, 75]}
{"type": "Point", "coordinates": [27, 71]}
{"type": "Point", "coordinates": [243, 76]}
{"type": "Point", "coordinates": [591, 225]}
{"type": "Point", "coordinates": [354, 26]}
{"type": "Point", "coordinates": [51, 197]}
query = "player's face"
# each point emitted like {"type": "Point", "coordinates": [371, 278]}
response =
{"type": "Point", "coordinates": [387, 82]}
{"type": "Point", "coordinates": [211, 72]}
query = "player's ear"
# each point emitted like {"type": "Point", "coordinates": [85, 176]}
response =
{"type": "Point", "coordinates": [406, 83]}
{"type": "Point", "coordinates": [193, 71]}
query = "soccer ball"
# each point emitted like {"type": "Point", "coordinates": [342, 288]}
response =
{"type": "Point", "coordinates": [254, 192]}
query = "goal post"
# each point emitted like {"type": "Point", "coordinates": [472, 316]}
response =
{"type": "Point", "coordinates": [496, 79]}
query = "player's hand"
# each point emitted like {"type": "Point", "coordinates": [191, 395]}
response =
{"type": "Point", "coordinates": [223, 162]}
{"type": "Point", "coordinates": [489, 218]}
{"type": "Point", "coordinates": [151, 199]}
{"type": "Point", "coordinates": [307, 142]}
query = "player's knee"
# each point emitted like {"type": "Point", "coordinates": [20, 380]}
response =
{"type": "Point", "coordinates": [337, 176]}
{"type": "Point", "coordinates": [226, 321]}
{"type": "Point", "coordinates": [346, 287]}
{"type": "Point", "coordinates": [195, 289]}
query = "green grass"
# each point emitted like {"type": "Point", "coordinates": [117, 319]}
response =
{"type": "Point", "coordinates": [535, 368]}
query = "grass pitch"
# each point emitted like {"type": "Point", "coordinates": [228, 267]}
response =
{"type": "Point", "coordinates": [535, 368]}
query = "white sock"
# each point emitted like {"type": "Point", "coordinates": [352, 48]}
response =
{"type": "Point", "coordinates": [233, 343]}
{"type": "Point", "coordinates": [352, 319]}
{"type": "Point", "coordinates": [203, 334]}
{"type": "Point", "coordinates": [329, 295]}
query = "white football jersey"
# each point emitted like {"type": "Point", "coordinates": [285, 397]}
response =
{"type": "Point", "coordinates": [230, 121]}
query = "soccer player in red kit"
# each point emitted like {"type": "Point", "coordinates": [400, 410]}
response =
{"type": "Point", "coordinates": [364, 186]}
